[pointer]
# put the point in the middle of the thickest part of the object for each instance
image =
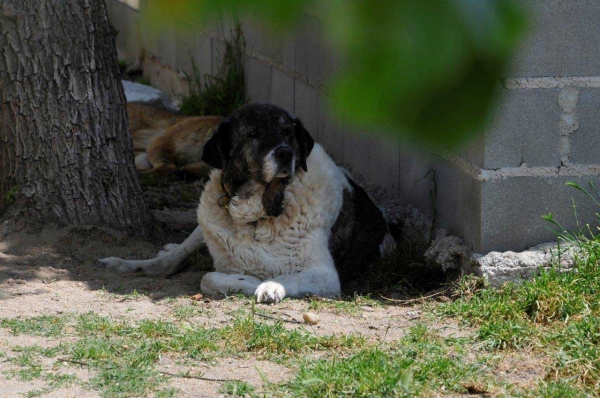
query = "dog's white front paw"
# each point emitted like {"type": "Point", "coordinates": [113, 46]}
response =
{"type": "Point", "coordinates": [269, 292]}
{"type": "Point", "coordinates": [118, 264]}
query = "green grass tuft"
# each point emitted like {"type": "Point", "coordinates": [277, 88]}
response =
{"type": "Point", "coordinates": [419, 362]}
{"type": "Point", "coordinates": [557, 310]}
{"type": "Point", "coordinates": [224, 92]}
{"type": "Point", "coordinates": [43, 325]}
{"type": "Point", "coordinates": [237, 388]}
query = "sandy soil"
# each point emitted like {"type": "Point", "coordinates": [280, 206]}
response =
{"type": "Point", "coordinates": [54, 271]}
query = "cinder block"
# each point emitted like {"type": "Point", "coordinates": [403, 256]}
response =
{"type": "Point", "coordinates": [258, 80]}
{"type": "Point", "coordinates": [126, 21]}
{"type": "Point", "coordinates": [202, 53]}
{"type": "Point", "coordinates": [218, 52]}
{"type": "Point", "coordinates": [585, 141]}
{"type": "Point", "coordinates": [374, 156]}
{"type": "Point", "coordinates": [563, 39]}
{"type": "Point", "coordinates": [288, 51]}
{"type": "Point", "coordinates": [306, 107]}
{"type": "Point", "coordinates": [511, 210]}
{"type": "Point", "coordinates": [330, 132]}
{"type": "Point", "coordinates": [185, 50]}
{"type": "Point", "coordinates": [148, 33]}
{"type": "Point", "coordinates": [458, 194]}
{"type": "Point", "coordinates": [458, 202]}
{"type": "Point", "coordinates": [282, 90]}
{"type": "Point", "coordinates": [262, 39]}
{"type": "Point", "coordinates": [524, 129]}
{"type": "Point", "coordinates": [308, 47]}
{"type": "Point", "coordinates": [357, 151]}
{"type": "Point", "coordinates": [133, 40]}
{"type": "Point", "coordinates": [384, 163]}
{"type": "Point", "coordinates": [167, 45]}
{"type": "Point", "coordinates": [473, 150]}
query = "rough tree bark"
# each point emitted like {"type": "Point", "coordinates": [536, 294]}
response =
{"type": "Point", "coordinates": [65, 151]}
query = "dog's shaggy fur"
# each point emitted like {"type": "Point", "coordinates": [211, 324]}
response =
{"type": "Point", "coordinates": [279, 217]}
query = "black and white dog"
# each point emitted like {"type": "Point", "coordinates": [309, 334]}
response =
{"type": "Point", "coordinates": [279, 217]}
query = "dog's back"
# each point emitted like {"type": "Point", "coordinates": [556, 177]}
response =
{"type": "Point", "coordinates": [147, 123]}
{"type": "Point", "coordinates": [165, 142]}
{"type": "Point", "coordinates": [358, 236]}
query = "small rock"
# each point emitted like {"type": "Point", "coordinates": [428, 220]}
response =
{"type": "Point", "coordinates": [196, 297]}
{"type": "Point", "coordinates": [413, 314]}
{"type": "Point", "coordinates": [311, 318]}
{"type": "Point", "coordinates": [157, 295]}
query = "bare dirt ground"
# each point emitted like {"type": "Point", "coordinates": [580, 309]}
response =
{"type": "Point", "coordinates": [54, 271]}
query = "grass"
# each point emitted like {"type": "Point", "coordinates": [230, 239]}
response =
{"type": "Point", "coordinates": [124, 355]}
{"type": "Point", "coordinates": [43, 325]}
{"type": "Point", "coordinates": [416, 364]}
{"type": "Point", "coordinates": [557, 312]}
{"type": "Point", "coordinates": [345, 305]}
{"type": "Point", "coordinates": [224, 92]}
{"type": "Point", "coordinates": [11, 196]}
{"type": "Point", "coordinates": [550, 324]}
{"type": "Point", "coordinates": [237, 388]}
{"type": "Point", "coordinates": [276, 342]}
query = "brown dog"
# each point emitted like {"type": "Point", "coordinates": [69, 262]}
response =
{"type": "Point", "coordinates": [165, 142]}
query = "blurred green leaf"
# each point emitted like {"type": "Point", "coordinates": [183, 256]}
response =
{"type": "Point", "coordinates": [428, 69]}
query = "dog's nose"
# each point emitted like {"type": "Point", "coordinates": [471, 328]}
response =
{"type": "Point", "coordinates": [284, 154]}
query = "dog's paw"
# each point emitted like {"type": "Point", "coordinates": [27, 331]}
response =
{"type": "Point", "coordinates": [269, 292]}
{"type": "Point", "coordinates": [117, 264]}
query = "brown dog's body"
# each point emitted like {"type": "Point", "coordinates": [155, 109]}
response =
{"type": "Point", "coordinates": [165, 142]}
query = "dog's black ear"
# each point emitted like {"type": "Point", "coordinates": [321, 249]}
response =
{"type": "Point", "coordinates": [217, 149]}
{"type": "Point", "coordinates": [305, 141]}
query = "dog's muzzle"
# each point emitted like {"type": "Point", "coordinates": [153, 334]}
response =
{"type": "Point", "coordinates": [284, 155]}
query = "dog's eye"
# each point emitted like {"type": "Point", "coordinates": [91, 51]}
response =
{"type": "Point", "coordinates": [253, 133]}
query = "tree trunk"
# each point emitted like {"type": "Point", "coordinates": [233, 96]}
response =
{"type": "Point", "coordinates": [65, 150]}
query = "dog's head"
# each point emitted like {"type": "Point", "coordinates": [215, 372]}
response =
{"type": "Point", "coordinates": [259, 145]}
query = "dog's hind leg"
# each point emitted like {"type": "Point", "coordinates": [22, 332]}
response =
{"type": "Point", "coordinates": [167, 263]}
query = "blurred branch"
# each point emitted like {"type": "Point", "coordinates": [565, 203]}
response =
{"type": "Point", "coordinates": [428, 69]}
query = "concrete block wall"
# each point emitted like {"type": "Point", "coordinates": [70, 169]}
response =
{"type": "Point", "coordinates": [492, 192]}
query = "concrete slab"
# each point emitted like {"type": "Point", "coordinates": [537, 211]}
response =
{"type": "Point", "coordinates": [498, 268]}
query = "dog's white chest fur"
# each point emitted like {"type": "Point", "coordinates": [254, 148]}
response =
{"type": "Point", "coordinates": [242, 241]}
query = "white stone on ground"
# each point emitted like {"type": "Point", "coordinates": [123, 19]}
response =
{"type": "Point", "coordinates": [498, 268]}
{"type": "Point", "coordinates": [143, 94]}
